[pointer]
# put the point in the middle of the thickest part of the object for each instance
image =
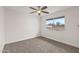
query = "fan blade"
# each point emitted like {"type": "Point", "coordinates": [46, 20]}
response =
{"type": "Point", "coordinates": [43, 7]}
{"type": "Point", "coordinates": [38, 7]}
{"type": "Point", "coordinates": [45, 12]}
{"type": "Point", "coordinates": [32, 12]}
{"type": "Point", "coordinates": [32, 8]}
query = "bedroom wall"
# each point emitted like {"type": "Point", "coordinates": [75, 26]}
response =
{"type": "Point", "coordinates": [20, 26]}
{"type": "Point", "coordinates": [2, 31]}
{"type": "Point", "coordinates": [71, 33]}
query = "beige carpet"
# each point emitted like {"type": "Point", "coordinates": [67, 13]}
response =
{"type": "Point", "coordinates": [39, 45]}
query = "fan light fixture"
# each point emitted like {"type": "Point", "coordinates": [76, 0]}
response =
{"type": "Point", "coordinates": [39, 10]}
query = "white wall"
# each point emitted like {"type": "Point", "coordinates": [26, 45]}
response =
{"type": "Point", "coordinates": [20, 26]}
{"type": "Point", "coordinates": [71, 33]}
{"type": "Point", "coordinates": [2, 31]}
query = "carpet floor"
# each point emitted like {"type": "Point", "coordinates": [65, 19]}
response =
{"type": "Point", "coordinates": [39, 45]}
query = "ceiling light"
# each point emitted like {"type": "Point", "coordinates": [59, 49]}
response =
{"type": "Point", "coordinates": [39, 11]}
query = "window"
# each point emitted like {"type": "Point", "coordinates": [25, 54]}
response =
{"type": "Point", "coordinates": [57, 23]}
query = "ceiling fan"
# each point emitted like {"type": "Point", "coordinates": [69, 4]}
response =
{"type": "Point", "coordinates": [39, 10]}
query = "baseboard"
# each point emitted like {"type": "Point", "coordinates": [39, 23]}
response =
{"type": "Point", "coordinates": [25, 38]}
{"type": "Point", "coordinates": [67, 43]}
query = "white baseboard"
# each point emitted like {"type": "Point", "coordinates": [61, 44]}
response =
{"type": "Point", "coordinates": [68, 43]}
{"type": "Point", "coordinates": [25, 38]}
